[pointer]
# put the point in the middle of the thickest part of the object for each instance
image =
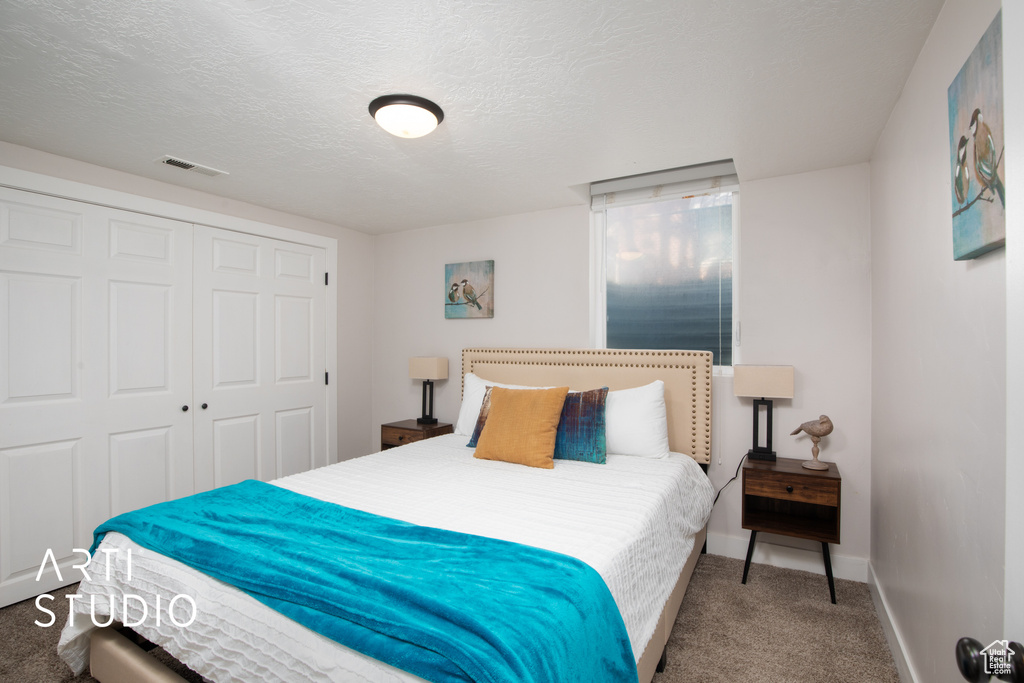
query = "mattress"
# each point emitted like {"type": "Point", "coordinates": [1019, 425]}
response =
{"type": "Point", "coordinates": [632, 519]}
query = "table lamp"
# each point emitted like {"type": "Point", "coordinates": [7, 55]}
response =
{"type": "Point", "coordinates": [428, 369]}
{"type": "Point", "coordinates": [762, 383]}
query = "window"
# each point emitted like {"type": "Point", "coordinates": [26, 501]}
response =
{"type": "Point", "coordinates": [663, 263]}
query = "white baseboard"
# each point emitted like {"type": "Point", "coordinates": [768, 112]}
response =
{"type": "Point", "coordinates": [892, 634]}
{"type": "Point", "coordinates": [787, 557]}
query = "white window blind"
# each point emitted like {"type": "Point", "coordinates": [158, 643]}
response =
{"type": "Point", "coordinates": [662, 253]}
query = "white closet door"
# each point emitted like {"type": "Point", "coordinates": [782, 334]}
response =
{"type": "Point", "coordinates": [95, 367]}
{"type": "Point", "coordinates": [259, 358]}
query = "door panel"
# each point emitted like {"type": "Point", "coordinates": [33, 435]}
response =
{"type": "Point", "coordinates": [294, 265]}
{"type": "Point", "coordinates": [37, 484]}
{"type": "Point", "coordinates": [95, 319]}
{"type": "Point", "coordinates": [234, 253]}
{"type": "Point", "coordinates": [39, 325]}
{"type": "Point", "coordinates": [139, 469]}
{"type": "Point", "coordinates": [136, 242]}
{"type": "Point", "coordinates": [140, 337]}
{"type": "Point", "coordinates": [36, 226]}
{"type": "Point", "coordinates": [236, 449]}
{"type": "Point", "coordinates": [259, 358]}
{"type": "Point", "coordinates": [294, 440]}
{"type": "Point", "coordinates": [293, 326]}
{"type": "Point", "coordinates": [236, 339]}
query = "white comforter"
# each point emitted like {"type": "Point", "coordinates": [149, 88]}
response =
{"type": "Point", "coordinates": [632, 519]}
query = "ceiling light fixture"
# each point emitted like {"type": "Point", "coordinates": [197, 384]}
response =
{"type": "Point", "coordinates": [406, 116]}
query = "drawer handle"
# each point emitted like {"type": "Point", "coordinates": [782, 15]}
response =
{"type": "Point", "coordinates": [401, 438]}
{"type": "Point", "coordinates": [789, 489]}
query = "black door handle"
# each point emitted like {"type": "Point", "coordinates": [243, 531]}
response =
{"type": "Point", "coordinates": [204, 406]}
{"type": "Point", "coordinates": [184, 409]}
{"type": "Point", "coordinates": [1007, 664]}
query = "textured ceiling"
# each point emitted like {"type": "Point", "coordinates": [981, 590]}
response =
{"type": "Point", "coordinates": [540, 96]}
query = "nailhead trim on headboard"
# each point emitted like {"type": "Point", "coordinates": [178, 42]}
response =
{"type": "Point", "coordinates": [698, 363]}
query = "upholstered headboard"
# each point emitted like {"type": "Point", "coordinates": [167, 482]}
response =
{"type": "Point", "coordinates": [687, 377]}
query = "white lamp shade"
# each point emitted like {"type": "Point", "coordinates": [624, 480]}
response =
{"type": "Point", "coordinates": [763, 381]}
{"type": "Point", "coordinates": [428, 368]}
{"type": "Point", "coordinates": [406, 120]}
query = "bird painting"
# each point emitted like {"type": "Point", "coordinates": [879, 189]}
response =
{"type": "Point", "coordinates": [962, 175]}
{"type": "Point", "coordinates": [815, 429]}
{"type": "Point", "coordinates": [469, 294]}
{"type": "Point", "coordinates": [978, 197]}
{"type": "Point", "coordinates": [985, 157]}
{"type": "Point", "coordinates": [465, 300]}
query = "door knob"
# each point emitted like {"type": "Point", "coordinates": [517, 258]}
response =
{"type": "Point", "coordinates": [184, 409]}
{"type": "Point", "coordinates": [1004, 659]}
{"type": "Point", "coordinates": [204, 406]}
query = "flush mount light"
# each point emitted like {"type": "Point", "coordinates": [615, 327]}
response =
{"type": "Point", "coordinates": [406, 116]}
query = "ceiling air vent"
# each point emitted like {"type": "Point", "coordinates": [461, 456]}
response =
{"type": "Point", "coordinates": [189, 166]}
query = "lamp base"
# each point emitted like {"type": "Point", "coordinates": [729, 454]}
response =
{"type": "Point", "coordinates": [755, 454]}
{"type": "Point", "coordinates": [428, 405]}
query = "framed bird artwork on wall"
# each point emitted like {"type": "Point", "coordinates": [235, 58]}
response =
{"type": "Point", "coordinates": [469, 289]}
{"type": "Point", "coordinates": [977, 160]}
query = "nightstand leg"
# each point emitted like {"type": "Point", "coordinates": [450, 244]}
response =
{"type": "Point", "coordinates": [828, 571]}
{"type": "Point", "coordinates": [750, 553]}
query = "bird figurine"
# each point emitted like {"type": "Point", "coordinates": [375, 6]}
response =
{"type": "Point", "coordinates": [453, 293]}
{"type": "Point", "coordinates": [985, 158]}
{"type": "Point", "coordinates": [469, 294]}
{"type": "Point", "coordinates": [815, 429]}
{"type": "Point", "coordinates": [961, 176]}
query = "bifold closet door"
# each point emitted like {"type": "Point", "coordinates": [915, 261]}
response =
{"type": "Point", "coordinates": [259, 358]}
{"type": "Point", "coordinates": [95, 370]}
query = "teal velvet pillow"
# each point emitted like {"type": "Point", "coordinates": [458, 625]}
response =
{"type": "Point", "coordinates": [581, 431]}
{"type": "Point", "coordinates": [485, 409]}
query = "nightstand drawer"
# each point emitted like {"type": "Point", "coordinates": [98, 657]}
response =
{"type": "Point", "coordinates": [409, 431]}
{"type": "Point", "coordinates": [804, 490]}
{"type": "Point", "coordinates": [392, 436]}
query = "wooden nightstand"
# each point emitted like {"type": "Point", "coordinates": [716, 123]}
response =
{"type": "Point", "coordinates": [782, 497]}
{"type": "Point", "coordinates": [406, 431]}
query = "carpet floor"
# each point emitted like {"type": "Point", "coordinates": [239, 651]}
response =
{"type": "Point", "coordinates": [780, 627]}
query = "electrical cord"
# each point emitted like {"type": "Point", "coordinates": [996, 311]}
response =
{"type": "Point", "coordinates": [742, 460]}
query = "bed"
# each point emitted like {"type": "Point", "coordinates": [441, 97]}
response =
{"type": "Point", "coordinates": [638, 521]}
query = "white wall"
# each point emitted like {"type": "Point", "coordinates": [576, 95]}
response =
{"type": "Point", "coordinates": [804, 253]}
{"type": "Point", "coordinates": [938, 377]}
{"type": "Point", "coordinates": [354, 266]}
{"type": "Point", "coordinates": [540, 299]}
{"type": "Point", "coordinates": [1013, 114]}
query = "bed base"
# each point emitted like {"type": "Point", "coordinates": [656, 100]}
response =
{"type": "Point", "coordinates": [654, 656]}
{"type": "Point", "coordinates": [114, 658]}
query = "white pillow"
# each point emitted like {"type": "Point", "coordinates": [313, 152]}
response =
{"type": "Point", "coordinates": [636, 422]}
{"type": "Point", "coordinates": [473, 390]}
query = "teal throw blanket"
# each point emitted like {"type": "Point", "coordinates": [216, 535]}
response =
{"type": "Point", "coordinates": [442, 605]}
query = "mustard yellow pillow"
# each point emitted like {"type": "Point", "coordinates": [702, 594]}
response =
{"type": "Point", "coordinates": [521, 426]}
